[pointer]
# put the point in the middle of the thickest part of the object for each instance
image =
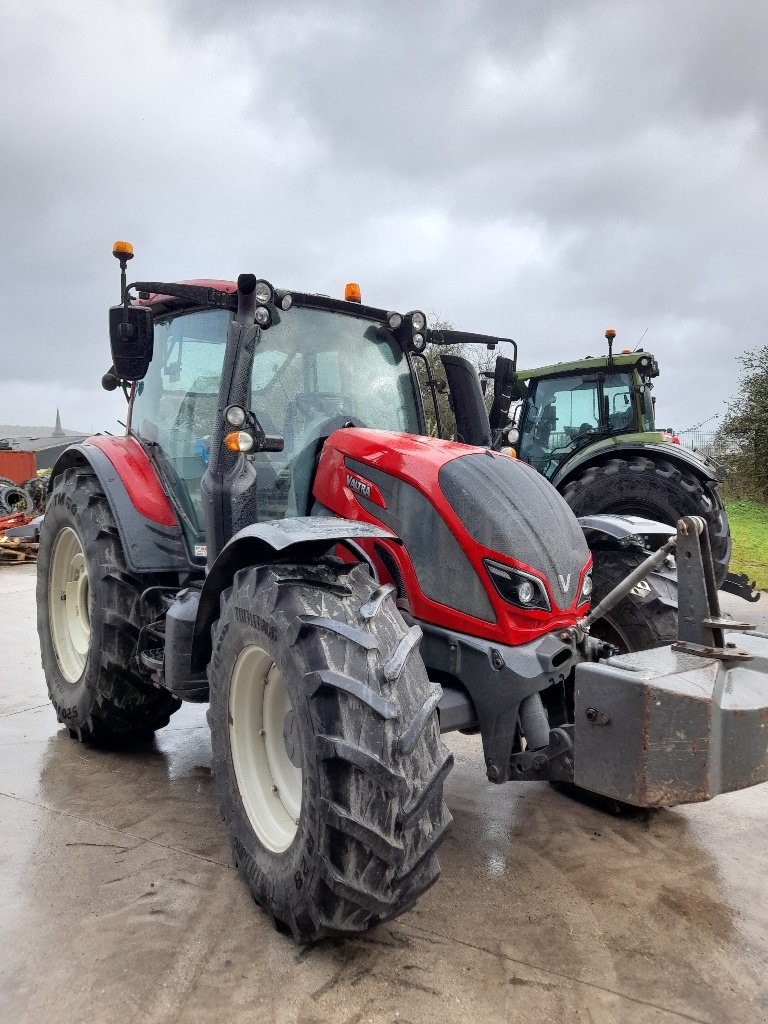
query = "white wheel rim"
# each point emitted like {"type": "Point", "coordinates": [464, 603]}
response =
{"type": "Point", "coordinates": [270, 784]}
{"type": "Point", "coordinates": [69, 610]}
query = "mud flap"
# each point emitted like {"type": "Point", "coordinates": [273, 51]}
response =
{"type": "Point", "coordinates": [664, 727]}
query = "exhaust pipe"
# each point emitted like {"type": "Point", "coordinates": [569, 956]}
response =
{"type": "Point", "coordinates": [246, 299]}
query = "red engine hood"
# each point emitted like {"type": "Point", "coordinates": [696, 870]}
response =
{"type": "Point", "coordinates": [371, 475]}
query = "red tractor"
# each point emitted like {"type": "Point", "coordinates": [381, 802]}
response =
{"type": "Point", "coordinates": [274, 535]}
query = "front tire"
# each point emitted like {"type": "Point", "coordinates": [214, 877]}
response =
{"type": "Point", "coordinates": [88, 619]}
{"type": "Point", "coordinates": [327, 755]}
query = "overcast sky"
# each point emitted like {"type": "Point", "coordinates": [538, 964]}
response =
{"type": "Point", "coordinates": [531, 169]}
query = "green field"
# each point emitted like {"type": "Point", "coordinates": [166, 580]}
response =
{"type": "Point", "coordinates": [749, 530]}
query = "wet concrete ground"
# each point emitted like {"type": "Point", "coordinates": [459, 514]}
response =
{"type": "Point", "coordinates": [119, 901]}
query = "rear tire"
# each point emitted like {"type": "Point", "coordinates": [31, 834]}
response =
{"type": "Point", "coordinates": [88, 619]}
{"type": "Point", "coordinates": [656, 489]}
{"type": "Point", "coordinates": [355, 844]}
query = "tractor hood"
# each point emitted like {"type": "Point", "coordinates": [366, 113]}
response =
{"type": "Point", "coordinates": [507, 506]}
{"type": "Point", "coordinates": [460, 513]}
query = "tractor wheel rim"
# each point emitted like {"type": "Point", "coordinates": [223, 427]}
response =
{"type": "Point", "coordinates": [261, 723]}
{"type": "Point", "coordinates": [69, 605]}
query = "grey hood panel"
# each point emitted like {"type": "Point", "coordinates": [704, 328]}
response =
{"type": "Point", "coordinates": [508, 507]}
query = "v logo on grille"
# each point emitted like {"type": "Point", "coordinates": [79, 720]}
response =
{"type": "Point", "coordinates": [565, 582]}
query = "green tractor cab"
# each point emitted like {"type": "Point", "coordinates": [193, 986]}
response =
{"type": "Point", "coordinates": [589, 427]}
{"type": "Point", "coordinates": [569, 408]}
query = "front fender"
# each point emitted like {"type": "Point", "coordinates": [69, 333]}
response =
{"type": "Point", "coordinates": [305, 538]}
{"type": "Point", "coordinates": [681, 457]}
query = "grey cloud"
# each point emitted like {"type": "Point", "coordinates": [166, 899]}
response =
{"type": "Point", "coordinates": [538, 169]}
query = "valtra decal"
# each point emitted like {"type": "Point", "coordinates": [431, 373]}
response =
{"type": "Point", "coordinates": [359, 486]}
{"type": "Point", "coordinates": [565, 582]}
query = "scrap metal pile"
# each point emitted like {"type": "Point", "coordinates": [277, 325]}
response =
{"type": "Point", "coordinates": [19, 535]}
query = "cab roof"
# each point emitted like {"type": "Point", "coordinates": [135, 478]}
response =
{"type": "Point", "coordinates": [623, 360]}
{"type": "Point", "coordinates": [227, 298]}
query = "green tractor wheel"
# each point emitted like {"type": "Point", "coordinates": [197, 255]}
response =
{"type": "Point", "coordinates": [656, 489]}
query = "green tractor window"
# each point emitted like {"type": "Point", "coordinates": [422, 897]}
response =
{"type": "Point", "coordinates": [562, 414]}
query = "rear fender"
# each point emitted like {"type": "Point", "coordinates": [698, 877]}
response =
{"type": "Point", "coordinates": [689, 461]}
{"type": "Point", "coordinates": [149, 531]}
{"type": "Point", "coordinates": [303, 539]}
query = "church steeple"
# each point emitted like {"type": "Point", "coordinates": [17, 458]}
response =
{"type": "Point", "coordinates": [57, 431]}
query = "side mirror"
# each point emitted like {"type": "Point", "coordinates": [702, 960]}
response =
{"type": "Point", "coordinates": [131, 340]}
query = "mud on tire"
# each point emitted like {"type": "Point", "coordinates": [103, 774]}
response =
{"type": "Point", "coordinates": [108, 701]}
{"type": "Point", "coordinates": [372, 761]}
{"type": "Point", "coordinates": [656, 489]}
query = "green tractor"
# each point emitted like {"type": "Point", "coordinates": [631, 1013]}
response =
{"type": "Point", "coordinates": [589, 427]}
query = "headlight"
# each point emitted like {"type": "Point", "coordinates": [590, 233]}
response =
{"type": "Point", "coordinates": [518, 587]}
{"type": "Point", "coordinates": [287, 301]}
{"type": "Point", "coordinates": [263, 292]}
{"type": "Point", "coordinates": [419, 321]}
{"type": "Point", "coordinates": [235, 416]}
{"type": "Point", "coordinates": [394, 320]}
{"type": "Point", "coordinates": [586, 588]}
{"type": "Point", "coordinates": [418, 343]}
{"type": "Point", "coordinates": [262, 316]}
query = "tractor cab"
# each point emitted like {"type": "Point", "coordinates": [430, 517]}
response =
{"type": "Point", "coordinates": [315, 367]}
{"type": "Point", "coordinates": [234, 388]}
{"type": "Point", "coordinates": [570, 406]}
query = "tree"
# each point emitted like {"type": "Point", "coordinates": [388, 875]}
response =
{"type": "Point", "coordinates": [432, 359]}
{"type": "Point", "coordinates": [746, 421]}
{"type": "Point", "coordinates": [483, 360]}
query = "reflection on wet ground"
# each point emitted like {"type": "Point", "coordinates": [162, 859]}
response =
{"type": "Point", "coordinates": [119, 901]}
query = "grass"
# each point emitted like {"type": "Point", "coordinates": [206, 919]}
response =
{"type": "Point", "coordinates": [749, 531]}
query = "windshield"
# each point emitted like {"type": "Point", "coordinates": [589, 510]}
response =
{"type": "Point", "coordinates": [313, 371]}
{"type": "Point", "coordinates": [564, 413]}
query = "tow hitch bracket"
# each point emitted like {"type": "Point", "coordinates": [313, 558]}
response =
{"type": "Point", "coordinates": [700, 626]}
